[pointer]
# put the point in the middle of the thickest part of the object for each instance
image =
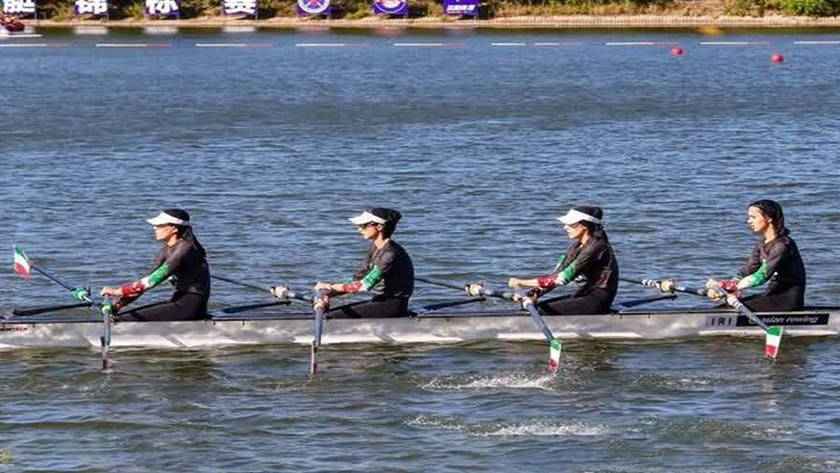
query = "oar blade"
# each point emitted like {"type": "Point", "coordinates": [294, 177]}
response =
{"type": "Point", "coordinates": [22, 265]}
{"type": "Point", "coordinates": [555, 346]}
{"type": "Point", "coordinates": [318, 329]}
{"type": "Point", "coordinates": [772, 341]}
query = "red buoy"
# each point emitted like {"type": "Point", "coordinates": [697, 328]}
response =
{"type": "Point", "coordinates": [677, 51]}
{"type": "Point", "coordinates": [777, 58]}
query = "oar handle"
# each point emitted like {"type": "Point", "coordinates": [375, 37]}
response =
{"type": "Point", "coordinates": [737, 304]}
{"type": "Point", "coordinates": [674, 286]}
{"type": "Point", "coordinates": [509, 295]}
{"type": "Point", "coordinates": [289, 293]}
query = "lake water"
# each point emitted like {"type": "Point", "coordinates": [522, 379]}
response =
{"type": "Point", "coordinates": [481, 142]}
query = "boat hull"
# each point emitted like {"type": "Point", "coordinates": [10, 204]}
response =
{"type": "Point", "coordinates": [85, 331]}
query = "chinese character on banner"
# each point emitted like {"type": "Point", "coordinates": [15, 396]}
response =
{"type": "Point", "coordinates": [19, 7]}
{"type": "Point", "coordinates": [313, 7]}
{"type": "Point", "coordinates": [390, 7]}
{"type": "Point", "coordinates": [460, 8]}
{"type": "Point", "coordinates": [91, 7]}
{"type": "Point", "coordinates": [162, 8]}
{"type": "Point", "coordinates": [240, 7]}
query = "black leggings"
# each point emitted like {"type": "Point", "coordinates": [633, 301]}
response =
{"type": "Point", "coordinates": [789, 300]}
{"type": "Point", "coordinates": [183, 306]}
{"type": "Point", "coordinates": [592, 303]}
{"type": "Point", "coordinates": [373, 309]}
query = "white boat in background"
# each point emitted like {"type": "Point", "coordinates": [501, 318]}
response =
{"type": "Point", "coordinates": [275, 327]}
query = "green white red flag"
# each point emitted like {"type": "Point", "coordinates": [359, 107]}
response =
{"type": "Point", "coordinates": [555, 346]}
{"type": "Point", "coordinates": [21, 263]}
{"type": "Point", "coordinates": [772, 341]}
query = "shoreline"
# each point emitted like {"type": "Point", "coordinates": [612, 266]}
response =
{"type": "Point", "coordinates": [522, 22]}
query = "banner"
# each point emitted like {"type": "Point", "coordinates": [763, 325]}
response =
{"type": "Point", "coordinates": [91, 7]}
{"type": "Point", "coordinates": [239, 8]}
{"type": "Point", "coordinates": [163, 8]}
{"type": "Point", "coordinates": [390, 7]}
{"type": "Point", "coordinates": [314, 7]}
{"type": "Point", "coordinates": [19, 7]}
{"type": "Point", "coordinates": [460, 7]}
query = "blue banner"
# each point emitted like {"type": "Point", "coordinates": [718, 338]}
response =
{"type": "Point", "coordinates": [239, 8]}
{"type": "Point", "coordinates": [91, 7]}
{"type": "Point", "coordinates": [390, 7]}
{"type": "Point", "coordinates": [19, 7]}
{"type": "Point", "coordinates": [314, 7]}
{"type": "Point", "coordinates": [163, 8]}
{"type": "Point", "coordinates": [460, 7]}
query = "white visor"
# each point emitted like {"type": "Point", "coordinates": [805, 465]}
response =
{"type": "Point", "coordinates": [575, 216]}
{"type": "Point", "coordinates": [366, 217]}
{"type": "Point", "coordinates": [166, 219]}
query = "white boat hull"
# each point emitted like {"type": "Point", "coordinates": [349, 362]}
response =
{"type": "Point", "coordinates": [79, 331]}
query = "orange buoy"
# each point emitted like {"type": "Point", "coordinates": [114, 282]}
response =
{"type": "Point", "coordinates": [677, 51]}
{"type": "Point", "coordinates": [777, 58]}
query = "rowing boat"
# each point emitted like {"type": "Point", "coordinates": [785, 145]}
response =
{"type": "Point", "coordinates": [273, 327]}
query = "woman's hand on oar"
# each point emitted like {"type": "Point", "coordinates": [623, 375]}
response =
{"type": "Point", "coordinates": [23, 266]}
{"type": "Point", "coordinates": [715, 290]}
{"type": "Point", "coordinates": [527, 302]}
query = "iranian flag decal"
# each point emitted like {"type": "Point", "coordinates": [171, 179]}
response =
{"type": "Point", "coordinates": [554, 355]}
{"type": "Point", "coordinates": [21, 263]}
{"type": "Point", "coordinates": [771, 344]}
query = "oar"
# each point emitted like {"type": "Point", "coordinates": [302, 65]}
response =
{"type": "Point", "coordinates": [286, 293]}
{"type": "Point", "coordinates": [555, 345]}
{"type": "Point", "coordinates": [320, 307]}
{"type": "Point", "coordinates": [644, 300]}
{"type": "Point", "coordinates": [49, 308]}
{"type": "Point", "coordinates": [773, 334]}
{"type": "Point", "coordinates": [245, 308]}
{"type": "Point", "coordinates": [237, 282]}
{"type": "Point", "coordinates": [23, 264]}
{"type": "Point", "coordinates": [425, 309]}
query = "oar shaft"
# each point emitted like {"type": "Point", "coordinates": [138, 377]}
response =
{"type": "Point", "coordinates": [318, 330]}
{"type": "Point", "coordinates": [51, 277]}
{"type": "Point", "coordinates": [674, 287]}
{"type": "Point", "coordinates": [236, 282]}
{"type": "Point", "coordinates": [528, 304]}
{"type": "Point", "coordinates": [241, 283]}
{"type": "Point", "coordinates": [44, 310]}
{"type": "Point", "coordinates": [738, 305]}
{"type": "Point", "coordinates": [437, 282]}
{"type": "Point", "coordinates": [459, 287]}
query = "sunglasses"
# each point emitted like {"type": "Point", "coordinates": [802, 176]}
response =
{"type": "Point", "coordinates": [369, 224]}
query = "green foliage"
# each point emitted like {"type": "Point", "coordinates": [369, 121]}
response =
{"type": "Point", "coordinates": [136, 10]}
{"type": "Point", "coordinates": [745, 7]}
{"type": "Point", "coordinates": [810, 7]}
{"type": "Point", "coordinates": [194, 8]}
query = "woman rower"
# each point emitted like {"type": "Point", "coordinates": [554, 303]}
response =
{"type": "Point", "coordinates": [182, 260]}
{"type": "Point", "coordinates": [775, 258]}
{"type": "Point", "coordinates": [591, 257]}
{"type": "Point", "coordinates": [387, 271]}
